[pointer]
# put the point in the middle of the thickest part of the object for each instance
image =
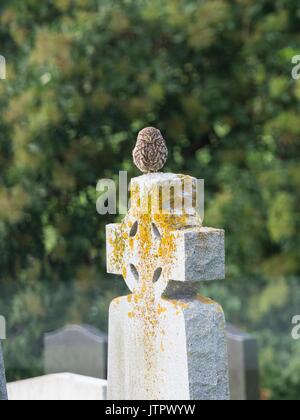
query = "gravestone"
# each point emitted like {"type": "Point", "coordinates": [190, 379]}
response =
{"type": "Point", "coordinates": [58, 387]}
{"type": "Point", "coordinates": [76, 349]}
{"type": "Point", "coordinates": [3, 391]}
{"type": "Point", "coordinates": [166, 342]}
{"type": "Point", "coordinates": [243, 365]}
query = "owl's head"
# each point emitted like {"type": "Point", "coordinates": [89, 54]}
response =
{"type": "Point", "coordinates": [150, 135]}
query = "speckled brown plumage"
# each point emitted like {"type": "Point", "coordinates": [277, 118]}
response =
{"type": "Point", "coordinates": [150, 153]}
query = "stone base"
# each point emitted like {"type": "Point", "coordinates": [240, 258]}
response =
{"type": "Point", "coordinates": [184, 357]}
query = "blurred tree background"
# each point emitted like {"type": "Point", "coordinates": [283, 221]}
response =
{"type": "Point", "coordinates": [83, 77]}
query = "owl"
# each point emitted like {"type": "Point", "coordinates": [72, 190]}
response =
{"type": "Point", "coordinates": [150, 153]}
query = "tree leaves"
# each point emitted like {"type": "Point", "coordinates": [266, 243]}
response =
{"type": "Point", "coordinates": [83, 78]}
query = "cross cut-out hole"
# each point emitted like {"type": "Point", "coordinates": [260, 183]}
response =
{"type": "Point", "coordinates": [134, 271]}
{"type": "Point", "coordinates": [157, 274]}
{"type": "Point", "coordinates": [156, 231]}
{"type": "Point", "coordinates": [134, 230]}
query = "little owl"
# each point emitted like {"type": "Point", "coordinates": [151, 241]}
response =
{"type": "Point", "coordinates": [150, 153]}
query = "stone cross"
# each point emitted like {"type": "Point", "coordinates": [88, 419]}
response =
{"type": "Point", "coordinates": [166, 342]}
{"type": "Point", "coordinates": [3, 392]}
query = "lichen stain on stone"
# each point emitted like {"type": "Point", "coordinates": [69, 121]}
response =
{"type": "Point", "coordinates": [220, 310]}
{"type": "Point", "coordinates": [131, 243]}
{"type": "Point", "coordinates": [161, 309]}
{"type": "Point", "coordinates": [178, 304]}
{"type": "Point", "coordinates": [208, 301]}
{"type": "Point", "coordinates": [205, 300]}
{"type": "Point", "coordinates": [152, 253]}
{"type": "Point", "coordinates": [145, 305]}
{"type": "Point", "coordinates": [118, 244]}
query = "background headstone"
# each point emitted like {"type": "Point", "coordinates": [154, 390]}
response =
{"type": "Point", "coordinates": [3, 392]}
{"type": "Point", "coordinates": [76, 349]}
{"type": "Point", "coordinates": [243, 365]}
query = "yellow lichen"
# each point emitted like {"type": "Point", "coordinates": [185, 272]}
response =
{"type": "Point", "coordinates": [161, 309]}
{"type": "Point", "coordinates": [205, 300]}
{"type": "Point", "coordinates": [152, 253]}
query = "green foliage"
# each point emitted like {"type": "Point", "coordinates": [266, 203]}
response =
{"type": "Point", "coordinates": [83, 77]}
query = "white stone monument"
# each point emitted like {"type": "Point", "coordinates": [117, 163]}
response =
{"type": "Point", "coordinates": [58, 387]}
{"type": "Point", "coordinates": [166, 342]}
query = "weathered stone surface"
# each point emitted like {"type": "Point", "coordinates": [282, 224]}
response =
{"type": "Point", "coordinates": [161, 253]}
{"type": "Point", "coordinates": [142, 362]}
{"type": "Point", "coordinates": [207, 350]}
{"type": "Point", "coordinates": [3, 392]}
{"type": "Point", "coordinates": [169, 193]}
{"type": "Point", "coordinates": [76, 349]}
{"type": "Point", "coordinates": [198, 255]}
{"type": "Point", "coordinates": [59, 387]}
{"type": "Point", "coordinates": [204, 254]}
{"type": "Point", "coordinates": [142, 366]}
